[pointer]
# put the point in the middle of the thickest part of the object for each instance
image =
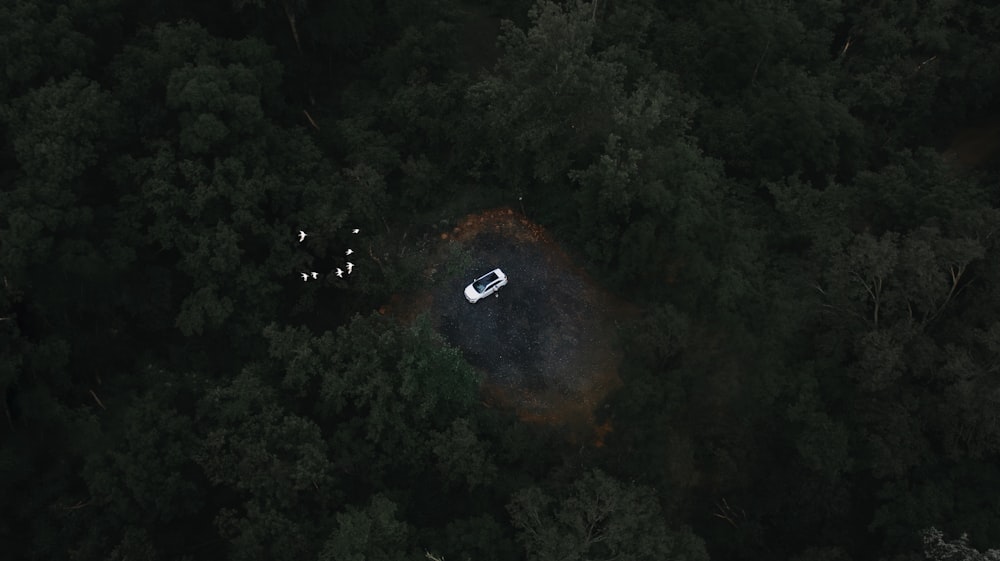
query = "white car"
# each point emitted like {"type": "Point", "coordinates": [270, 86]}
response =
{"type": "Point", "coordinates": [485, 285]}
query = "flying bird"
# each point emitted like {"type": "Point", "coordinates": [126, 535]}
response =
{"type": "Point", "coordinates": [302, 236]}
{"type": "Point", "coordinates": [339, 272]}
{"type": "Point", "coordinates": [314, 274]}
{"type": "Point", "coordinates": [350, 266]}
{"type": "Point", "coordinates": [355, 231]}
{"type": "Point", "coordinates": [349, 251]}
{"type": "Point", "coordinates": [305, 276]}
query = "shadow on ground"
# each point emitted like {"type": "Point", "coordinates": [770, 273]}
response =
{"type": "Point", "coordinates": [546, 344]}
{"type": "Point", "coordinates": [977, 144]}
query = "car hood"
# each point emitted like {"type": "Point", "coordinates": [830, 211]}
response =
{"type": "Point", "coordinates": [470, 293]}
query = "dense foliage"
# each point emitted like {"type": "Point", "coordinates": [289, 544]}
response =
{"type": "Point", "coordinates": [816, 374]}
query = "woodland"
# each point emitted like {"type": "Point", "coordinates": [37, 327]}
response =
{"type": "Point", "coordinates": [814, 376]}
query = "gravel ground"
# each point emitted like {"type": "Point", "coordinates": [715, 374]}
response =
{"type": "Point", "coordinates": [546, 342]}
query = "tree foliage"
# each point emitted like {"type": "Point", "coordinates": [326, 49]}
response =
{"type": "Point", "coordinates": [598, 518]}
{"type": "Point", "coordinates": [936, 548]}
{"type": "Point", "coordinates": [810, 344]}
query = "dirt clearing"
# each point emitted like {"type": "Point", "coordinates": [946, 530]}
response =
{"type": "Point", "coordinates": [547, 343]}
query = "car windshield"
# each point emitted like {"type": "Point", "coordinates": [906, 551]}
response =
{"type": "Point", "coordinates": [481, 284]}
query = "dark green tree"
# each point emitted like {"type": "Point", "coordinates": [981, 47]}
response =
{"type": "Point", "coordinates": [550, 100]}
{"type": "Point", "coordinates": [369, 532]}
{"type": "Point", "coordinates": [389, 394]}
{"type": "Point", "coordinates": [598, 517]}
{"type": "Point", "coordinates": [44, 39]}
{"type": "Point", "coordinates": [936, 548]}
{"type": "Point", "coordinates": [277, 463]}
{"type": "Point", "coordinates": [222, 189]}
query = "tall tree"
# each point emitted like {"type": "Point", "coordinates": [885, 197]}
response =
{"type": "Point", "coordinates": [389, 390]}
{"type": "Point", "coordinates": [550, 99]}
{"type": "Point", "coordinates": [222, 190]}
{"type": "Point", "coordinates": [598, 518]}
{"type": "Point", "coordinates": [936, 548]}
{"type": "Point", "coordinates": [369, 532]}
{"type": "Point", "coordinates": [46, 39]}
{"type": "Point", "coordinates": [275, 462]}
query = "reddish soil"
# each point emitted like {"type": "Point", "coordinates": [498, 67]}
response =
{"type": "Point", "coordinates": [547, 344]}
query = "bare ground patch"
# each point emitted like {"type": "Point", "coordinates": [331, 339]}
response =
{"type": "Point", "coordinates": [546, 345]}
{"type": "Point", "coordinates": [977, 144]}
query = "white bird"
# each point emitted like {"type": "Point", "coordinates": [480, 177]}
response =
{"type": "Point", "coordinates": [302, 236]}
{"type": "Point", "coordinates": [339, 272]}
{"type": "Point", "coordinates": [314, 274]}
{"type": "Point", "coordinates": [355, 231]}
{"type": "Point", "coordinates": [349, 251]}
{"type": "Point", "coordinates": [349, 267]}
{"type": "Point", "coordinates": [305, 276]}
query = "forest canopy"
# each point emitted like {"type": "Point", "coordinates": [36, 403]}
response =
{"type": "Point", "coordinates": [813, 372]}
